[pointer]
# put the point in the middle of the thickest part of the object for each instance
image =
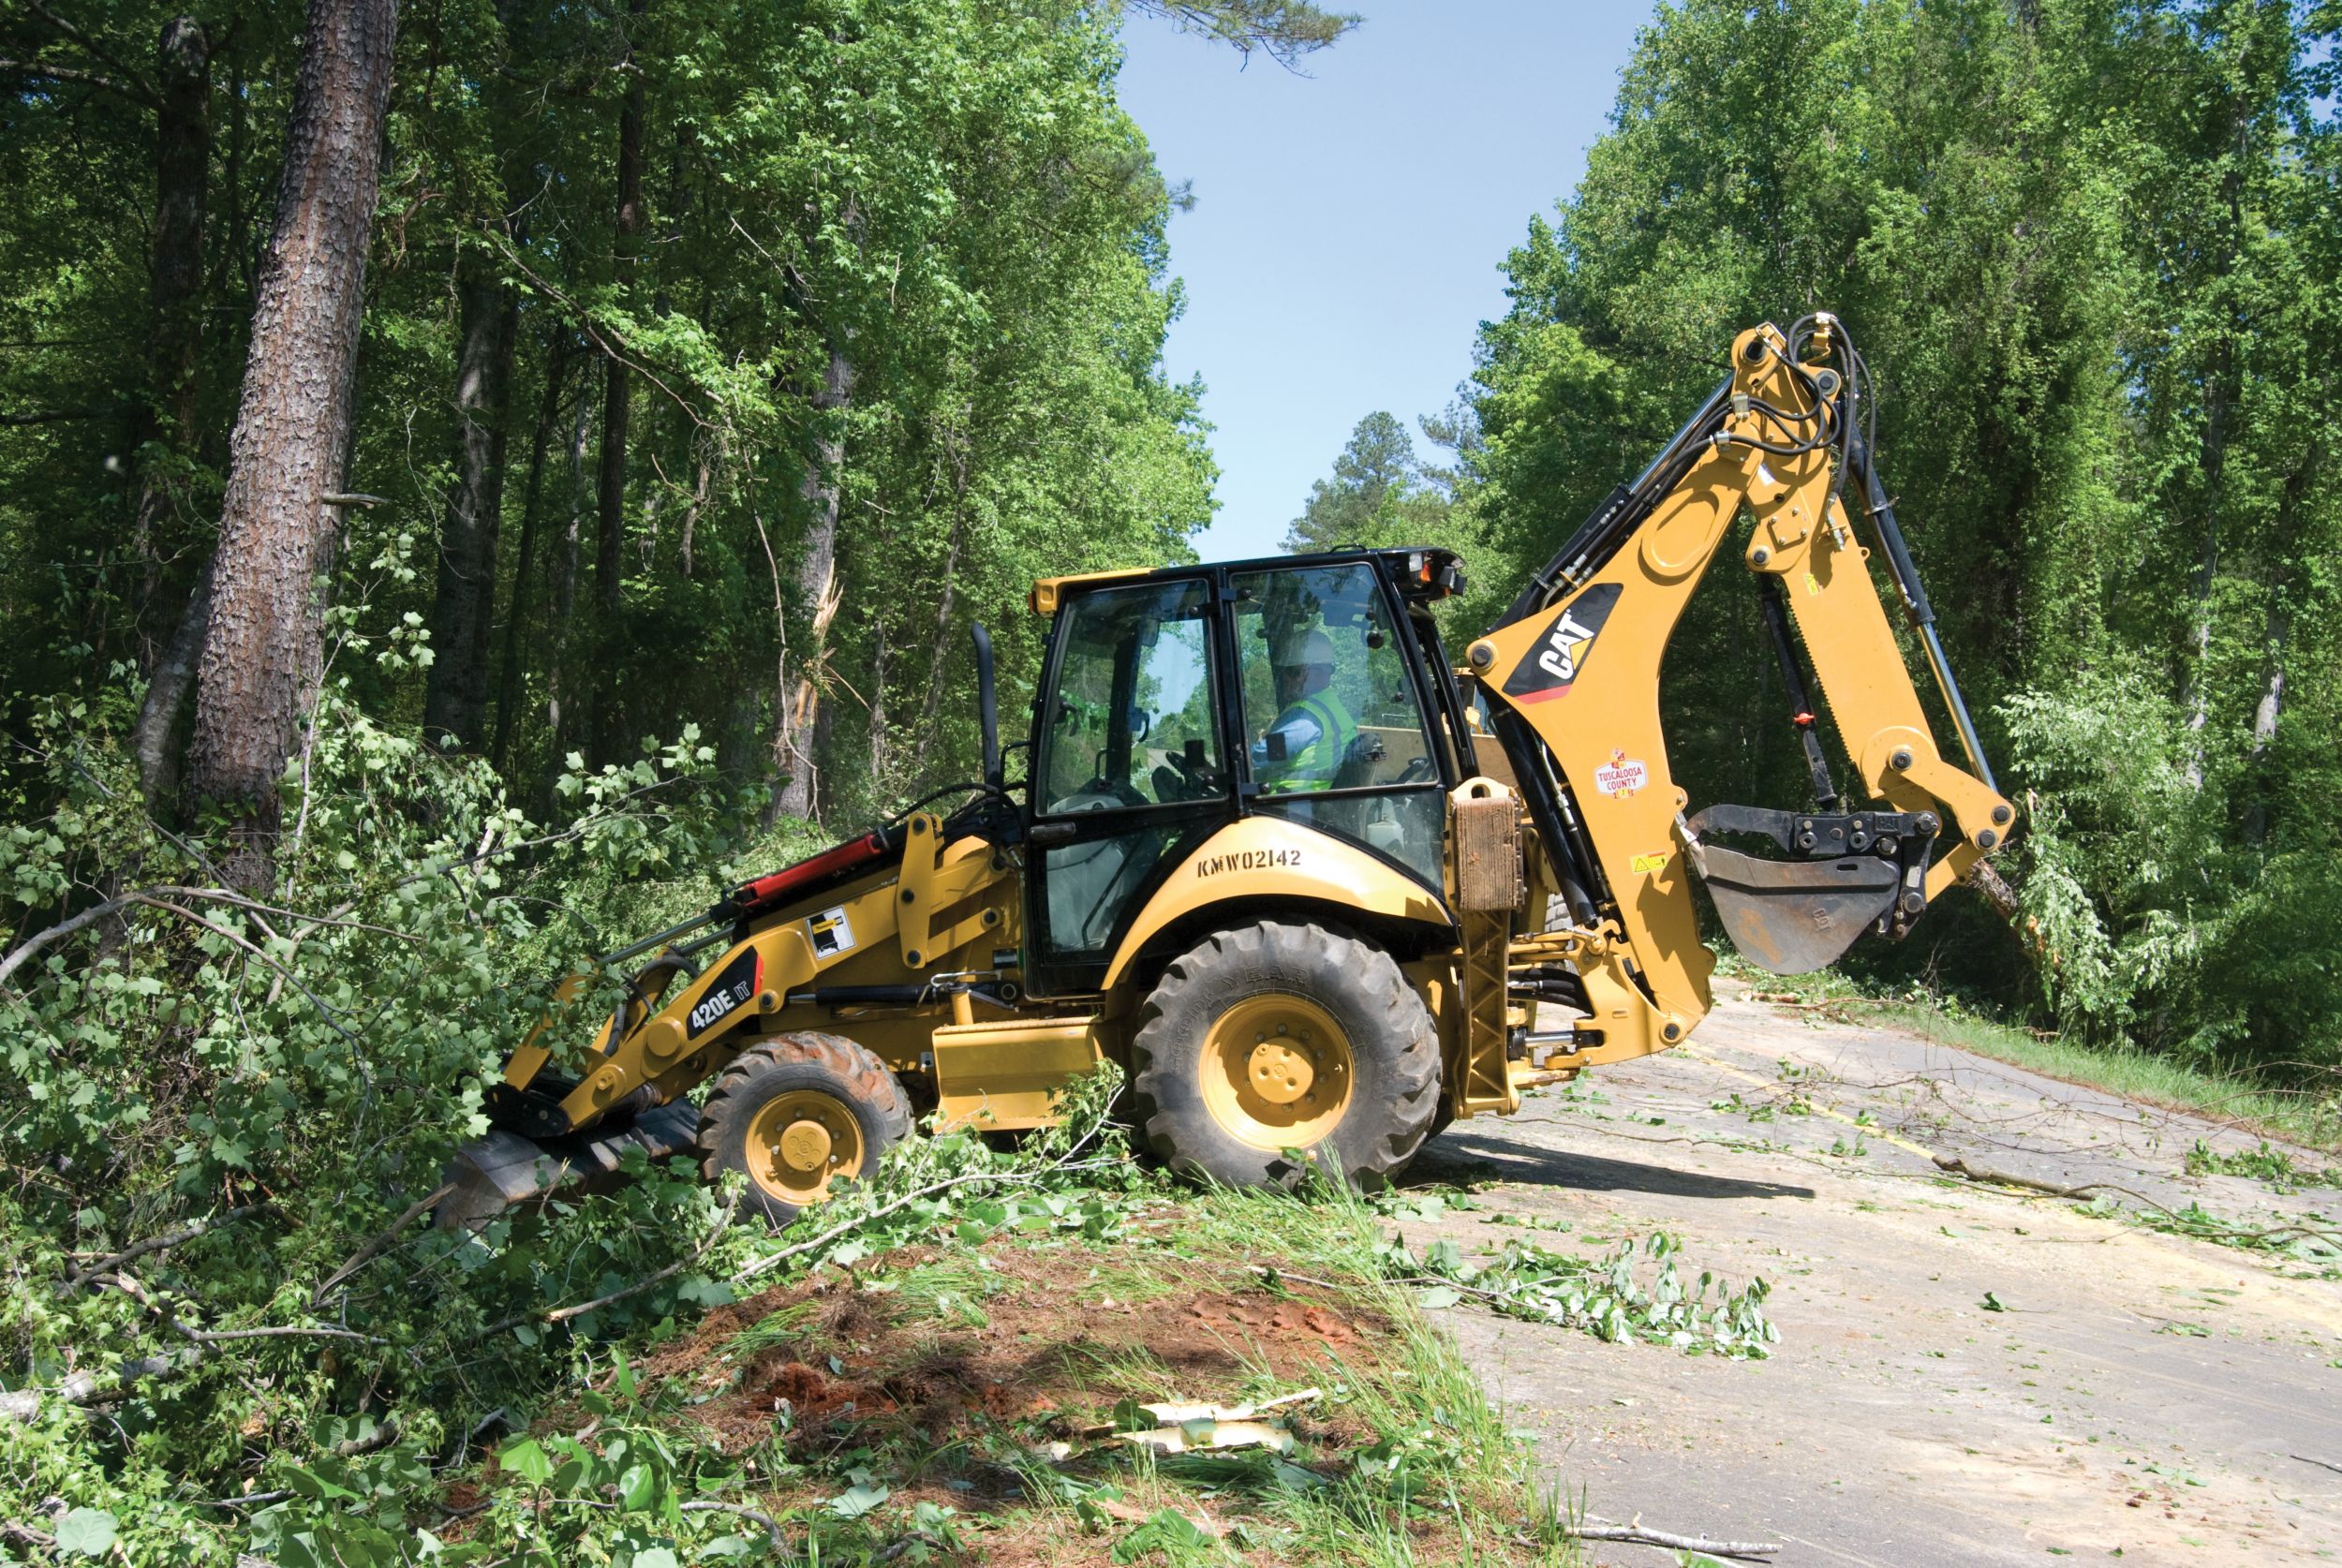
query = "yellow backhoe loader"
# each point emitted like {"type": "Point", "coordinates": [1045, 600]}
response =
{"type": "Point", "coordinates": [1311, 886]}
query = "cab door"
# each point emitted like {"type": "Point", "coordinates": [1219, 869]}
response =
{"type": "Point", "coordinates": [1129, 770]}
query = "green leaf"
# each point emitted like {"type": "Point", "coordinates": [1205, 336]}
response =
{"type": "Point", "coordinates": [526, 1459]}
{"type": "Point", "coordinates": [638, 1485]}
{"type": "Point", "coordinates": [86, 1532]}
{"type": "Point", "coordinates": [857, 1500]}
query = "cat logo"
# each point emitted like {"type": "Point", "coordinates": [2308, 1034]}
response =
{"type": "Point", "coordinates": [1561, 658]}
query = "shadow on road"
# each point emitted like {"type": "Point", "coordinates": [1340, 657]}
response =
{"type": "Point", "coordinates": [1454, 1153]}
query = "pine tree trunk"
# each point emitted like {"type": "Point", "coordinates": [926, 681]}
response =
{"type": "Point", "coordinates": [796, 735]}
{"type": "Point", "coordinates": [455, 695]}
{"type": "Point", "coordinates": [256, 679]}
{"type": "Point", "coordinates": [610, 501]}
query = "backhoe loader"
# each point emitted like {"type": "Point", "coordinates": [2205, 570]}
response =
{"type": "Point", "coordinates": [1316, 890]}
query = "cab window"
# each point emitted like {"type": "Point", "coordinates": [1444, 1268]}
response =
{"type": "Point", "coordinates": [1131, 720]}
{"type": "Point", "coordinates": [1328, 704]}
{"type": "Point", "coordinates": [1334, 733]}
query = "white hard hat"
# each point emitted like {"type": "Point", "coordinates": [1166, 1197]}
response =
{"type": "Point", "coordinates": [1304, 648]}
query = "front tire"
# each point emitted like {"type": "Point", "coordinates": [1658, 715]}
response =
{"type": "Point", "coordinates": [797, 1112]}
{"type": "Point", "coordinates": [1274, 1036]}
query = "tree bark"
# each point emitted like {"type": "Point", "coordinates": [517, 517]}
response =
{"type": "Point", "coordinates": [610, 499]}
{"type": "Point", "coordinates": [262, 649]}
{"type": "Point", "coordinates": [455, 695]}
{"type": "Point", "coordinates": [523, 567]}
{"type": "Point", "coordinates": [797, 732]}
{"type": "Point", "coordinates": [561, 676]}
{"type": "Point", "coordinates": [159, 738]}
{"type": "Point", "coordinates": [880, 753]}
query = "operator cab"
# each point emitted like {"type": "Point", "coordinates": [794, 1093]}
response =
{"type": "Point", "coordinates": [1174, 702]}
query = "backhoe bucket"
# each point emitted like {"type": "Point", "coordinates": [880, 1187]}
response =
{"type": "Point", "coordinates": [1795, 916]}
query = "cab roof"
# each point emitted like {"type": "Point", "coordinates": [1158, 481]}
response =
{"type": "Point", "coordinates": [1424, 571]}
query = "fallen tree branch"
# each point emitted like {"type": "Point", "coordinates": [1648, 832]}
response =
{"type": "Point", "coordinates": [373, 1443]}
{"type": "Point", "coordinates": [1013, 1179]}
{"type": "Point", "coordinates": [222, 1336]}
{"type": "Point", "coordinates": [1958, 1167]}
{"type": "Point", "coordinates": [168, 1240]}
{"type": "Point", "coordinates": [2322, 1464]}
{"type": "Point", "coordinates": [364, 1255]}
{"type": "Point", "coordinates": [1635, 1534]}
{"type": "Point", "coordinates": [2182, 1224]}
{"type": "Point", "coordinates": [564, 1314]}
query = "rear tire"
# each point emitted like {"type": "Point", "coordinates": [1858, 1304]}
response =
{"type": "Point", "coordinates": [1273, 1036]}
{"type": "Point", "coordinates": [797, 1112]}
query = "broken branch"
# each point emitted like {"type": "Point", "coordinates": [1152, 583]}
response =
{"type": "Point", "coordinates": [1635, 1534]}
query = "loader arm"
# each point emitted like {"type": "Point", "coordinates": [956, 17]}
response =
{"type": "Point", "coordinates": [1571, 678]}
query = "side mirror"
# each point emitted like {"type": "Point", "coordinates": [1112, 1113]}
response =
{"type": "Point", "coordinates": [987, 708]}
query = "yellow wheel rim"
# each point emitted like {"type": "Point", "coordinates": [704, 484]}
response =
{"type": "Point", "coordinates": [1277, 1072]}
{"type": "Point", "coordinates": [799, 1142]}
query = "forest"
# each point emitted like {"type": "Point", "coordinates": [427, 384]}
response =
{"type": "Point", "coordinates": [693, 373]}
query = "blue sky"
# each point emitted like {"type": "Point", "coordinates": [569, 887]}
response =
{"type": "Point", "coordinates": [1349, 224]}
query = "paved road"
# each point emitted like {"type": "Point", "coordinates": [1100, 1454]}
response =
{"type": "Point", "coordinates": [2140, 1393]}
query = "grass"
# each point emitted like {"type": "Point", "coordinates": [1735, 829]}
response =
{"type": "Point", "coordinates": [1441, 1442]}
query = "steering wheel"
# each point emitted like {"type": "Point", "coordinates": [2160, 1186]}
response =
{"type": "Point", "coordinates": [1415, 772]}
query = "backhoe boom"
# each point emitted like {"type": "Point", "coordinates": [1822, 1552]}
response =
{"type": "Point", "coordinates": [1572, 672]}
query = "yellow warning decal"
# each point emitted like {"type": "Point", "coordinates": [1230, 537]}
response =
{"type": "Point", "coordinates": [1652, 862]}
{"type": "Point", "coordinates": [1811, 586]}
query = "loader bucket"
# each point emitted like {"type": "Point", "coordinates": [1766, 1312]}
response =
{"type": "Point", "coordinates": [1795, 916]}
{"type": "Point", "coordinates": [503, 1170]}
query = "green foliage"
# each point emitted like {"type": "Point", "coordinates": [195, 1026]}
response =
{"type": "Point", "coordinates": [2265, 1162]}
{"type": "Point", "coordinates": [1600, 1297]}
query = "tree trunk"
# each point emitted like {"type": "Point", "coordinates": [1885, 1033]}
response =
{"type": "Point", "coordinates": [797, 732]}
{"type": "Point", "coordinates": [183, 167]}
{"type": "Point", "coordinates": [610, 500]}
{"type": "Point", "coordinates": [159, 738]}
{"type": "Point", "coordinates": [561, 711]}
{"type": "Point", "coordinates": [523, 568]}
{"type": "Point", "coordinates": [455, 695]}
{"type": "Point", "coordinates": [182, 159]}
{"type": "Point", "coordinates": [262, 650]}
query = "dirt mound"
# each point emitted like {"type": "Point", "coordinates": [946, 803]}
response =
{"type": "Point", "coordinates": [1033, 1340]}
